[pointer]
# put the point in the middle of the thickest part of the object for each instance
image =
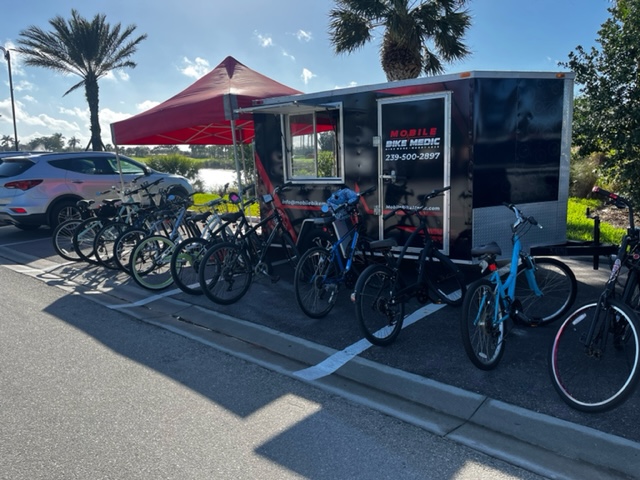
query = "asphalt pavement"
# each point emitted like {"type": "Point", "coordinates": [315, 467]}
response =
{"type": "Point", "coordinates": [424, 377]}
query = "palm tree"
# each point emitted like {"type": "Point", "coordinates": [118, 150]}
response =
{"type": "Point", "coordinates": [87, 48]}
{"type": "Point", "coordinates": [5, 142]}
{"type": "Point", "coordinates": [72, 143]}
{"type": "Point", "coordinates": [409, 28]}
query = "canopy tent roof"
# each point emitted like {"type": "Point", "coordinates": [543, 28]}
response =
{"type": "Point", "coordinates": [201, 114]}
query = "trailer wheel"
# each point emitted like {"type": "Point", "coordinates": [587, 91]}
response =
{"type": "Point", "coordinates": [315, 238]}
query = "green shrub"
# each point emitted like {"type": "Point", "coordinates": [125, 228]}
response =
{"type": "Point", "coordinates": [177, 164]}
{"type": "Point", "coordinates": [583, 175]}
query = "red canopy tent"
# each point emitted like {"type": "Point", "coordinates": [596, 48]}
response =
{"type": "Point", "coordinates": [203, 113]}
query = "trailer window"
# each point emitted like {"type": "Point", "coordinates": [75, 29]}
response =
{"type": "Point", "coordinates": [313, 146]}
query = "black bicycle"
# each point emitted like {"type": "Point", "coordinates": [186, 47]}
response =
{"type": "Point", "coordinates": [595, 356]}
{"type": "Point", "coordinates": [227, 269]}
{"type": "Point", "coordinates": [383, 289]}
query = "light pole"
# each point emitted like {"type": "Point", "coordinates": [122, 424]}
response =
{"type": "Point", "coordinates": [7, 57]}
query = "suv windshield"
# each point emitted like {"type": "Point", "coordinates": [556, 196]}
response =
{"type": "Point", "coordinates": [12, 168]}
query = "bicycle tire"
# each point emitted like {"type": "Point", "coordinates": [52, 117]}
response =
{"type": "Point", "coordinates": [225, 273]}
{"type": "Point", "coordinates": [104, 242]}
{"type": "Point", "coordinates": [558, 285]}
{"type": "Point", "coordinates": [316, 282]}
{"type": "Point", "coordinates": [124, 246]}
{"type": "Point", "coordinates": [150, 262]}
{"type": "Point", "coordinates": [185, 264]}
{"type": "Point", "coordinates": [379, 317]}
{"type": "Point", "coordinates": [84, 238]}
{"type": "Point", "coordinates": [62, 238]}
{"type": "Point", "coordinates": [445, 279]}
{"type": "Point", "coordinates": [483, 342]}
{"type": "Point", "coordinates": [596, 380]}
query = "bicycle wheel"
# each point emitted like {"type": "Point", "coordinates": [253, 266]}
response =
{"type": "Point", "coordinates": [124, 245]}
{"type": "Point", "coordinates": [225, 273]}
{"type": "Point", "coordinates": [84, 238]}
{"type": "Point", "coordinates": [602, 375]}
{"type": "Point", "coordinates": [558, 286]}
{"type": "Point", "coordinates": [150, 262]}
{"type": "Point", "coordinates": [316, 282]}
{"type": "Point", "coordinates": [63, 239]}
{"type": "Point", "coordinates": [483, 341]}
{"type": "Point", "coordinates": [445, 279]}
{"type": "Point", "coordinates": [379, 316]}
{"type": "Point", "coordinates": [104, 243]}
{"type": "Point", "coordinates": [185, 264]}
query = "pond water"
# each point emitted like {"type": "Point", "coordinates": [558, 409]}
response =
{"type": "Point", "coordinates": [215, 178]}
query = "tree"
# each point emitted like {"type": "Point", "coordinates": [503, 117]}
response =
{"type": "Point", "coordinates": [6, 142]}
{"type": "Point", "coordinates": [72, 143]}
{"type": "Point", "coordinates": [418, 35]}
{"type": "Point", "coordinates": [87, 48]}
{"type": "Point", "coordinates": [607, 109]}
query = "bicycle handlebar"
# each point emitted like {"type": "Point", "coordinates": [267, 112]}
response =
{"type": "Point", "coordinates": [618, 202]}
{"type": "Point", "coordinates": [520, 217]}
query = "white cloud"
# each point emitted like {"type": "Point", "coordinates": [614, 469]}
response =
{"type": "Point", "coordinates": [146, 105]}
{"type": "Point", "coordinates": [75, 112]}
{"type": "Point", "coordinates": [303, 36]}
{"type": "Point", "coordinates": [195, 69]}
{"type": "Point", "coordinates": [307, 75]}
{"type": "Point", "coordinates": [288, 55]}
{"type": "Point", "coordinates": [264, 41]}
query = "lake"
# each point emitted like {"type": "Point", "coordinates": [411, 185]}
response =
{"type": "Point", "coordinates": [215, 178]}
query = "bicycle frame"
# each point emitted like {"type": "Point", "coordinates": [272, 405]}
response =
{"type": "Point", "coordinates": [336, 255]}
{"type": "Point", "coordinates": [506, 290]}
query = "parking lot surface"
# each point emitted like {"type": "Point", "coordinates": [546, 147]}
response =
{"type": "Point", "coordinates": [428, 353]}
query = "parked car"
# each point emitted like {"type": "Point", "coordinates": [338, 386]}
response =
{"type": "Point", "coordinates": [42, 189]}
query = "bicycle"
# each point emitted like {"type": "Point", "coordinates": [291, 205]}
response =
{"type": "Point", "coordinates": [150, 260]}
{"type": "Point", "coordinates": [383, 290]}
{"type": "Point", "coordinates": [595, 353]}
{"type": "Point", "coordinates": [188, 254]}
{"type": "Point", "coordinates": [111, 210]}
{"type": "Point", "coordinates": [535, 292]}
{"type": "Point", "coordinates": [227, 268]}
{"type": "Point", "coordinates": [62, 235]}
{"type": "Point", "coordinates": [322, 270]}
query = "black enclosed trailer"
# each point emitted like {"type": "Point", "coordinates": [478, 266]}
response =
{"type": "Point", "coordinates": [494, 137]}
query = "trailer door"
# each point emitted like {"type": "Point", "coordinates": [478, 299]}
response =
{"type": "Point", "coordinates": [414, 159]}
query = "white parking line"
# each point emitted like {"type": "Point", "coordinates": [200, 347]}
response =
{"type": "Point", "coordinates": [144, 301]}
{"type": "Point", "coordinates": [338, 359]}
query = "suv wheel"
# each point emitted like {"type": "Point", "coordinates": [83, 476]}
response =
{"type": "Point", "coordinates": [62, 211]}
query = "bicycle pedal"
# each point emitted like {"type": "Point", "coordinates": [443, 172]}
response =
{"type": "Point", "coordinates": [275, 278]}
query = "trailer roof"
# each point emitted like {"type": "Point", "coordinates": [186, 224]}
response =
{"type": "Point", "coordinates": [262, 106]}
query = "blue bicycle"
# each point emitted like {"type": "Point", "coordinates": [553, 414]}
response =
{"type": "Point", "coordinates": [321, 271]}
{"type": "Point", "coordinates": [536, 291]}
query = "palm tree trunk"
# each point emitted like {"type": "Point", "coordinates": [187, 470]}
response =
{"type": "Point", "coordinates": [91, 92]}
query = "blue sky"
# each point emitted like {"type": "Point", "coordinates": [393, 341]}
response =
{"type": "Point", "coordinates": [286, 40]}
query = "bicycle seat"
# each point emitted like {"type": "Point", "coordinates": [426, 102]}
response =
{"type": "Point", "coordinates": [200, 217]}
{"type": "Point", "coordinates": [382, 244]}
{"type": "Point", "coordinates": [231, 217]}
{"type": "Point", "coordinates": [490, 248]}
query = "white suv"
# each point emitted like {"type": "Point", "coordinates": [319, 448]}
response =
{"type": "Point", "coordinates": [42, 189]}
